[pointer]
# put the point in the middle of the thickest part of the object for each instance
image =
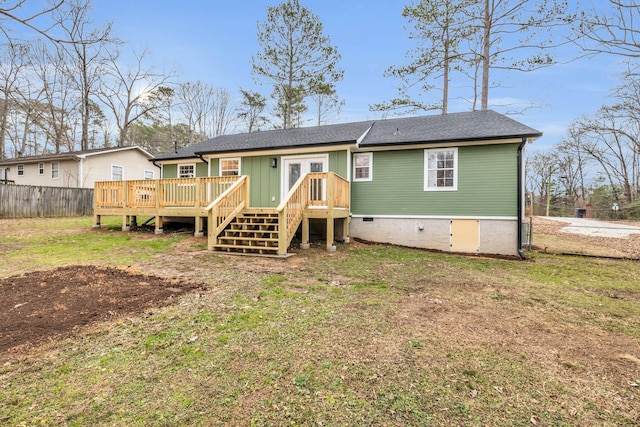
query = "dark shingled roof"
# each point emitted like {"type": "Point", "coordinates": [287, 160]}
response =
{"type": "Point", "coordinates": [469, 126]}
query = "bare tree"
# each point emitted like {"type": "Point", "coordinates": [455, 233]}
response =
{"type": "Point", "coordinates": [574, 165]}
{"type": "Point", "coordinates": [131, 92]}
{"type": "Point", "coordinates": [195, 102]}
{"type": "Point", "coordinates": [611, 28]}
{"type": "Point", "coordinates": [611, 140]}
{"type": "Point", "coordinates": [50, 68]}
{"type": "Point", "coordinates": [208, 110]}
{"type": "Point", "coordinates": [15, 61]}
{"type": "Point", "coordinates": [539, 174]}
{"type": "Point", "coordinates": [87, 49]}
{"type": "Point", "coordinates": [222, 113]}
{"type": "Point", "coordinates": [11, 10]}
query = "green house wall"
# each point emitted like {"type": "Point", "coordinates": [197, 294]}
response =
{"type": "Point", "coordinates": [171, 170]}
{"type": "Point", "coordinates": [265, 180]}
{"type": "Point", "coordinates": [487, 185]}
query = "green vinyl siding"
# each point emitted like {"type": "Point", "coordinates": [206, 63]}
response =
{"type": "Point", "coordinates": [487, 184]}
{"type": "Point", "coordinates": [171, 170]}
{"type": "Point", "coordinates": [264, 181]}
{"type": "Point", "coordinates": [215, 167]}
{"type": "Point", "coordinates": [202, 169]}
{"type": "Point", "coordinates": [338, 163]}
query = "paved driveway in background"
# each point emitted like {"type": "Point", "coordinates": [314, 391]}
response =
{"type": "Point", "coordinates": [591, 227]}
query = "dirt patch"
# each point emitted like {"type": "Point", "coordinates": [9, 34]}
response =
{"type": "Point", "coordinates": [47, 305]}
{"type": "Point", "coordinates": [550, 237]}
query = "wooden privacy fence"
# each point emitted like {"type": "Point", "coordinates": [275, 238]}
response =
{"type": "Point", "coordinates": [26, 201]}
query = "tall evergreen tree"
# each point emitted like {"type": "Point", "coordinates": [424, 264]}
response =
{"type": "Point", "coordinates": [295, 56]}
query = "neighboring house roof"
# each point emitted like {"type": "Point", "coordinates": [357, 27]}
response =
{"type": "Point", "coordinates": [70, 155]}
{"type": "Point", "coordinates": [468, 126]}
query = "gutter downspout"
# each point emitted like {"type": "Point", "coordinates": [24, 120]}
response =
{"type": "Point", "coordinates": [202, 158]}
{"type": "Point", "coordinates": [520, 196]}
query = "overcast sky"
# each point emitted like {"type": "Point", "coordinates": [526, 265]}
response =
{"type": "Point", "coordinates": [213, 40]}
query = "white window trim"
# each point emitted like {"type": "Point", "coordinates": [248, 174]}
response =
{"type": "Point", "coordinates": [185, 165]}
{"type": "Point", "coordinates": [41, 168]}
{"type": "Point", "coordinates": [117, 166]}
{"type": "Point", "coordinates": [57, 164]}
{"type": "Point", "coordinates": [370, 177]}
{"type": "Point", "coordinates": [20, 170]}
{"type": "Point", "coordinates": [455, 169]}
{"type": "Point", "coordinates": [239, 159]}
{"type": "Point", "coordinates": [144, 175]}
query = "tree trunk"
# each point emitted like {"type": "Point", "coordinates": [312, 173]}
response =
{"type": "Point", "coordinates": [486, 58]}
{"type": "Point", "coordinates": [4, 113]}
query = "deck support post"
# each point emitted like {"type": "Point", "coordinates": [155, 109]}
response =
{"type": "Point", "coordinates": [330, 207]}
{"type": "Point", "coordinates": [96, 221]}
{"type": "Point", "coordinates": [342, 230]}
{"type": "Point", "coordinates": [158, 229]}
{"type": "Point", "coordinates": [282, 232]}
{"type": "Point", "coordinates": [211, 227]}
{"type": "Point", "coordinates": [125, 223]}
{"type": "Point", "coordinates": [305, 233]}
{"type": "Point", "coordinates": [197, 227]}
{"type": "Point", "coordinates": [330, 235]}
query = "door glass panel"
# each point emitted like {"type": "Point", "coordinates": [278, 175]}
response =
{"type": "Point", "coordinates": [294, 173]}
{"type": "Point", "coordinates": [315, 167]}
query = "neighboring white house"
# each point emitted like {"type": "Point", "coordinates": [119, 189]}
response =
{"type": "Point", "coordinates": [80, 169]}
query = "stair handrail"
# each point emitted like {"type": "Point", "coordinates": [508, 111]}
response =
{"type": "Point", "coordinates": [290, 212]}
{"type": "Point", "coordinates": [226, 207]}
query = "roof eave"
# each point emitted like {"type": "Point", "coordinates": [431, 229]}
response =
{"type": "Point", "coordinates": [532, 136]}
{"type": "Point", "coordinates": [272, 148]}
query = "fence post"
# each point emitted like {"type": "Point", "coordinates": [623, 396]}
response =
{"type": "Point", "coordinates": [96, 195]}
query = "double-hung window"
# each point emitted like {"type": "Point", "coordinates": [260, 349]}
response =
{"type": "Point", "coordinates": [40, 168]}
{"type": "Point", "coordinates": [55, 170]}
{"type": "Point", "coordinates": [229, 167]}
{"type": "Point", "coordinates": [187, 171]}
{"type": "Point", "coordinates": [20, 170]}
{"type": "Point", "coordinates": [117, 173]}
{"type": "Point", "coordinates": [363, 167]}
{"type": "Point", "coordinates": [441, 169]}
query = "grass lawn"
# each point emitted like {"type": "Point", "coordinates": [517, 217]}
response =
{"type": "Point", "coordinates": [368, 335]}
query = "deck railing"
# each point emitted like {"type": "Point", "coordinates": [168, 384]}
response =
{"type": "Point", "coordinates": [161, 193]}
{"type": "Point", "coordinates": [226, 207]}
{"type": "Point", "coordinates": [222, 199]}
{"type": "Point", "coordinates": [317, 189]}
{"type": "Point", "coordinates": [327, 189]}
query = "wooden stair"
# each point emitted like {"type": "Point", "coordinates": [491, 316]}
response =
{"type": "Point", "coordinates": [251, 232]}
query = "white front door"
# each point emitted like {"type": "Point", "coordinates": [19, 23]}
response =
{"type": "Point", "coordinates": [293, 167]}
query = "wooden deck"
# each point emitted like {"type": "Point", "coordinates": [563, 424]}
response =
{"type": "Point", "coordinates": [223, 204]}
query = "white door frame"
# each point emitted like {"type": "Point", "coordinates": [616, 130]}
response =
{"type": "Point", "coordinates": [305, 161]}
